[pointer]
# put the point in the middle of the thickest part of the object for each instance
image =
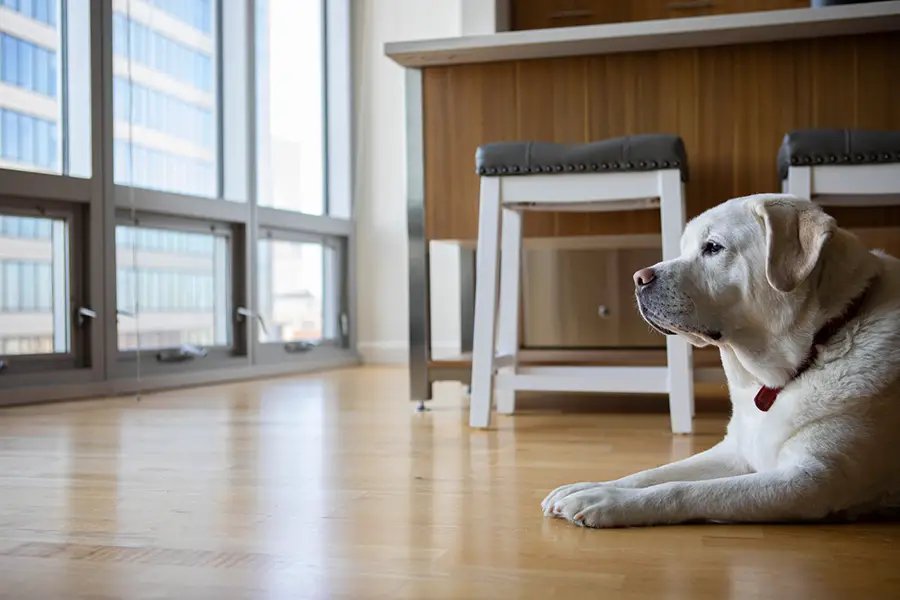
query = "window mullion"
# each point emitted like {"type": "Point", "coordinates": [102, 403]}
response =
{"type": "Point", "coordinates": [203, 115]}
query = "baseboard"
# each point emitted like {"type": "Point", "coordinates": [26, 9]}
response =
{"type": "Point", "coordinates": [397, 352]}
{"type": "Point", "coordinates": [115, 387]}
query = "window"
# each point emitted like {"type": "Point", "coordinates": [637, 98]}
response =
{"type": "Point", "coordinates": [121, 132]}
{"type": "Point", "coordinates": [290, 105]}
{"type": "Point", "coordinates": [298, 297]}
{"type": "Point", "coordinates": [165, 96]}
{"type": "Point", "coordinates": [196, 14]}
{"type": "Point", "coordinates": [43, 11]}
{"type": "Point", "coordinates": [38, 130]}
{"type": "Point", "coordinates": [34, 294]}
{"type": "Point", "coordinates": [171, 288]}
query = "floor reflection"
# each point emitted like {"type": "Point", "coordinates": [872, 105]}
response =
{"type": "Point", "coordinates": [330, 486]}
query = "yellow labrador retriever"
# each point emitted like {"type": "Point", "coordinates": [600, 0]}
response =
{"type": "Point", "coordinates": [807, 322]}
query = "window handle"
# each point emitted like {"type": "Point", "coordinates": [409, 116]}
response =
{"type": "Point", "coordinates": [262, 325]}
{"type": "Point", "coordinates": [245, 313]}
{"type": "Point", "coordinates": [85, 313]}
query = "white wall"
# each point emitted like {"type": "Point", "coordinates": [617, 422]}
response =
{"type": "Point", "coordinates": [483, 17]}
{"type": "Point", "coordinates": [380, 193]}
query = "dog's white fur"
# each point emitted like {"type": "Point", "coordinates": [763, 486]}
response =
{"type": "Point", "coordinates": [828, 446]}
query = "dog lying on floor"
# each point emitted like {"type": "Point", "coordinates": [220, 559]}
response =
{"type": "Point", "coordinates": [807, 322]}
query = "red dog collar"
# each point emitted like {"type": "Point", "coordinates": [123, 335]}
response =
{"type": "Point", "coordinates": [766, 396]}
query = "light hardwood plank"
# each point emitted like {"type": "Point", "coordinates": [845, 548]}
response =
{"type": "Point", "coordinates": [329, 486]}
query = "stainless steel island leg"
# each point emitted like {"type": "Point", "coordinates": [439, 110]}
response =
{"type": "Point", "coordinates": [419, 281]}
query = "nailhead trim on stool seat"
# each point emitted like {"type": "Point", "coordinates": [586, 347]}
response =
{"type": "Point", "coordinates": [805, 147]}
{"type": "Point", "coordinates": [648, 152]}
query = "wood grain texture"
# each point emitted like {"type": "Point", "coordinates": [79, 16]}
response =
{"type": "Point", "coordinates": [732, 105]}
{"type": "Point", "coordinates": [327, 486]}
{"type": "Point", "coordinates": [547, 14]}
{"type": "Point", "coordinates": [562, 293]}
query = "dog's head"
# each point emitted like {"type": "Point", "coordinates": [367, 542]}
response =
{"type": "Point", "coordinates": [743, 274]}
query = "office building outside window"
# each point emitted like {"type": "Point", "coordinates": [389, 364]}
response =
{"type": "Point", "coordinates": [164, 111]}
{"type": "Point", "coordinates": [30, 123]}
{"type": "Point", "coordinates": [29, 85]}
{"type": "Point", "coordinates": [165, 95]}
{"type": "Point", "coordinates": [165, 181]}
{"type": "Point", "coordinates": [291, 291]}
{"type": "Point", "coordinates": [171, 288]}
{"type": "Point", "coordinates": [290, 120]}
{"type": "Point", "coordinates": [33, 286]}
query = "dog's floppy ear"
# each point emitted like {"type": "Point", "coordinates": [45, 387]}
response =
{"type": "Point", "coordinates": [796, 231]}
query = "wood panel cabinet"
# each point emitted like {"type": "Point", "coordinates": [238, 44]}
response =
{"type": "Point", "coordinates": [584, 298]}
{"type": "Point", "coordinates": [547, 14]}
{"type": "Point", "coordinates": [732, 106]}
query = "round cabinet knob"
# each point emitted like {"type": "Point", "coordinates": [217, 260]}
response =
{"type": "Point", "coordinates": [603, 311]}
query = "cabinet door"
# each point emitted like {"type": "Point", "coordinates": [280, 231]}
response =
{"type": "Point", "coordinates": [548, 14]}
{"type": "Point", "coordinates": [545, 14]}
{"type": "Point", "coordinates": [673, 9]}
{"type": "Point", "coordinates": [584, 299]}
{"type": "Point", "coordinates": [683, 9]}
{"type": "Point", "coordinates": [724, 7]}
{"type": "Point", "coordinates": [633, 330]}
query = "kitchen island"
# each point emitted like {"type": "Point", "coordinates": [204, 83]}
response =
{"type": "Point", "coordinates": [731, 86]}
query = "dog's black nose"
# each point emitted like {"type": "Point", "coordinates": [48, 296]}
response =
{"type": "Point", "coordinates": [644, 277]}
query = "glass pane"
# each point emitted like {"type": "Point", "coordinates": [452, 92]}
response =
{"type": "Point", "coordinates": [295, 302]}
{"type": "Point", "coordinates": [172, 293]}
{"type": "Point", "coordinates": [34, 279]}
{"type": "Point", "coordinates": [165, 96]}
{"type": "Point", "coordinates": [290, 116]}
{"type": "Point", "coordinates": [35, 134]}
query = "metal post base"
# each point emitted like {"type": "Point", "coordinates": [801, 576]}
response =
{"type": "Point", "coordinates": [421, 408]}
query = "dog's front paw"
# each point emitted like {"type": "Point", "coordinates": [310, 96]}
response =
{"type": "Point", "coordinates": [603, 506]}
{"type": "Point", "coordinates": [563, 491]}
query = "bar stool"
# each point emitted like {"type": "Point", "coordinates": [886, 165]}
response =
{"type": "Point", "coordinates": [841, 167]}
{"type": "Point", "coordinates": [627, 173]}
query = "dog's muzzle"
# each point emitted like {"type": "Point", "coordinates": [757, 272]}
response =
{"type": "Point", "coordinates": [648, 317]}
{"type": "Point", "coordinates": [643, 283]}
{"type": "Point", "coordinates": [643, 279]}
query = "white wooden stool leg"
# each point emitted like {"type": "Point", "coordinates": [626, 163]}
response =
{"type": "Point", "coordinates": [510, 281]}
{"type": "Point", "coordinates": [799, 182]}
{"type": "Point", "coordinates": [484, 336]}
{"type": "Point", "coordinates": [678, 352]}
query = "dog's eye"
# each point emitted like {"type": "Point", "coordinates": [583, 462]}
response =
{"type": "Point", "coordinates": [710, 248]}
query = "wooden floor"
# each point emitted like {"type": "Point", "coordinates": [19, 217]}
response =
{"type": "Point", "coordinates": [329, 486]}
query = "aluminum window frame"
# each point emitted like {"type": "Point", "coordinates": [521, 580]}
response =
{"type": "Point", "coordinates": [237, 202]}
{"type": "Point", "coordinates": [334, 287]}
{"type": "Point", "coordinates": [262, 160]}
{"type": "Point", "coordinates": [80, 201]}
{"type": "Point", "coordinates": [216, 33]}
{"type": "Point", "coordinates": [99, 205]}
{"type": "Point", "coordinates": [143, 361]}
{"type": "Point", "coordinates": [230, 207]}
{"type": "Point", "coordinates": [336, 225]}
{"type": "Point", "coordinates": [27, 369]}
